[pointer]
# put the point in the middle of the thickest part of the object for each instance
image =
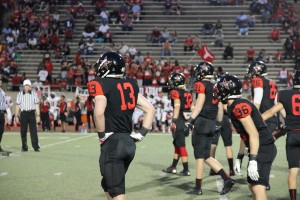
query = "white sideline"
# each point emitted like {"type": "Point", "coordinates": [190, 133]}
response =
{"type": "Point", "coordinates": [17, 154]}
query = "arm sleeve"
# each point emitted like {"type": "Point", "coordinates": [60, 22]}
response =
{"type": "Point", "coordinates": [94, 88]}
{"type": "Point", "coordinates": [174, 94]}
{"type": "Point", "coordinates": [18, 100]}
{"type": "Point", "coordinates": [242, 110]}
{"type": "Point", "coordinates": [35, 98]}
{"type": "Point", "coordinates": [258, 95]}
{"type": "Point", "coordinates": [199, 88]}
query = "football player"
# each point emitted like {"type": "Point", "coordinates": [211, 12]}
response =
{"type": "Point", "coordinates": [181, 100]}
{"type": "Point", "coordinates": [203, 122]}
{"type": "Point", "coordinates": [248, 122]}
{"type": "Point", "coordinates": [116, 97]}
{"type": "Point", "coordinates": [289, 100]}
{"type": "Point", "coordinates": [264, 92]}
{"type": "Point", "coordinates": [53, 100]}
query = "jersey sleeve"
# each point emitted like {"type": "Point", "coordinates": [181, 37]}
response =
{"type": "Point", "coordinates": [280, 97]}
{"type": "Point", "coordinates": [94, 88]}
{"type": "Point", "coordinates": [174, 94]}
{"type": "Point", "coordinates": [257, 83]}
{"type": "Point", "coordinates": [242, 110]}
{"type": "Point", "coordinates": [199, 88]}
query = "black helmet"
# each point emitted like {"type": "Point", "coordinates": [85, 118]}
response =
{"type": "Point", "coordinates": [228, 87]}
{"type": "Point", "coordinates": [109, 63]}
{"type": "Point", "coordinates": [257, 68]}
{"type": "Point", "coordinates": [176, 79]}
{"type": "Point", "coordinates": [204, 70]}
{"type": "Point", "coordinates": [296, 79]}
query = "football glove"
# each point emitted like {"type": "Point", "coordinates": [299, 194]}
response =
{"type": "Point", "coordinates": [252, 168]}
{"type": "Point", "coordinates": [173, 125]}
{"type": "Point", "coordinates": [137, 137]}
{"type": "Point", "coordinates": [103, 136]}
{"type": "Point", "coordinates": [281, 131]}
{"type": "Point", "coordinates": [189, 125]}
{"type": "Point", "coordinates": [238, 163]}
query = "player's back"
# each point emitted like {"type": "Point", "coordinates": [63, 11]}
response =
{"type": "Point", "coordinates": [290, 100]}
{"type": "Point", "coordinates": [121, 95]}
{"type": "Point", "coordinates": [186, 99]}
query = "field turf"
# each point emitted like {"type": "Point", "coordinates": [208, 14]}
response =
{"type": "Point", "coordinates": [67, 169]}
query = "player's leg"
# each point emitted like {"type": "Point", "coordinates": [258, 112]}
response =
{"type": "Point", "coordinates": [180, 142]}
{"type": "Point", "coordinates": [292, 182]}
{"type": "Point", "coordinates": [55, 123]}
{"type": "Point", "coordinates": [213, 149]}
{"type": "Point", "coordinates": [88, 113]}
{"type": "Point", "coordinates": [259, 192]}
{"type": "Point", "coordinates": [172, 168]}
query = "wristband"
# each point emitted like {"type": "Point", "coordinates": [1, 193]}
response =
{"type": "Point", "coordinates": [174, 120]}
{"type": "Point", "coordinates": [219, 123]}
{"type": "Point", "coordinates": [191, 120]}
{"type": "Point", "coordinates": [252, 157]}
{"type": "Point", "coordinates": [240, 156]}
{"type": "Point", "coordinates": [101, 134]}
{"type": "Point", "coordinates": [144, 131]}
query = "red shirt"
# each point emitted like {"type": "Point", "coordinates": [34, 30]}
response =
{"type": "Point", "coordinates": [250, 52]}
{"type": "Point", "coordinates": [49, 66]}
{"type": "Point", "coordinates": [188, 42]}
{"type": "Point", "coordinates": [89, 105]}
{"type": "Point", "coordinates": [62, 106]}
{"type": "Point", "coordinates": [275, 34]}
{"type": "Point", "coordinates": [45, 106]}
{"type": "Point", "coordinates": [148, 59]}
{"type": "Point", "coordinates": [16, 80]}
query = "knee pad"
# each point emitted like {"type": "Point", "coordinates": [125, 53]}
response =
{"type": "Point", "coordinates": [183, 152]}
{"type": "Point", "coordinates": [177, 150]}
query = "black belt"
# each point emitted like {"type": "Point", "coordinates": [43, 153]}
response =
{"type": "Point", "coordinates": [2, 111]}
{"type": "Point", "coordinates": [28, 111]}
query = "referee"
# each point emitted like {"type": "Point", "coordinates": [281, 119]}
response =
{"type": "Point", "coordinates": [2, 118]}
{"type": "Point", "coordinates": [28, 102]}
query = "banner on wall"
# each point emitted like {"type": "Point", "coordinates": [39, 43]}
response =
{"type": "Point", "coordinates": [150, 90]}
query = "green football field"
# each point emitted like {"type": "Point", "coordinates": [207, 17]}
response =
{"type": "Point", "coordinates": [67, 169]}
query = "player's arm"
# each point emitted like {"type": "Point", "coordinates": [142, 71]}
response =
{"type": "Point", "coordinates": [220, 112]}
{"type": "Point", "coordinates": [258, 91]}
{"type": "Point", "coordinates": [100, 106]}
{"type": "Point", "coordinates": [176, 108]}
{"type": "Point", "coordinates": [198, 106]}
{"type": "Point", "coordinates": [272, 111]}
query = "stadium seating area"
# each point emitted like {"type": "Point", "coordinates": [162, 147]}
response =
{"type": "Point", "coordinates": [194, 14]}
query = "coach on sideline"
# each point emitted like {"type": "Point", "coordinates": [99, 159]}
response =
{"type": "Point", "coordinates": [28, 102]}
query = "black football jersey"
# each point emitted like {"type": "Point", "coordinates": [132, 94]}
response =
{"type": "Point", "coordinates": [241, 108]}
{"type": "Point", "coordinates": [210, 107]}
{"type": "Point", "coordinates": [121, 95]}
{"type": "Point", "coordinates": [290, 100]}
{"type": "Point", "coordinates": [185, 97]}
{"type": "Point", "coordinates": [269, 93]}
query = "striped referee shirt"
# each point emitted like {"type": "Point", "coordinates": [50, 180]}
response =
{"type": "Point", "coordinates": [27, 101]}
{"type": "Point", "coordinates": [2, 100]}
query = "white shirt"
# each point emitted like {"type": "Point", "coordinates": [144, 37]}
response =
{"type": "Point", "coordinates": [2, 100]}
{"type": "Point", "coordinates": [53, 102]}
{"type": "Point", "coordinates": [283, 74]}
{"type": "Point", "coordinates": [123, 50]}
{"type": "Point", "coordinates": [104, 15]}
{"type": "Point", "coordinates": [27, 100]}
{"type": "Point", "coordinates": [37, 85]}
{"type": "Point", "coordinates": [103, 28]}
{"type": "Point", "coordinates": [43, 75]}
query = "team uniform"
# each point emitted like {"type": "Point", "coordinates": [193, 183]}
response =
{"type": "Point", "coordinates": [205, 123]}
{"type": "Point", "coordinates": [9, 104]}
{"type": "Point", "coordinates": [118, 150]}
{"type": "Point", "coordinates": [225, 132]}
{"type": "Point", "coordinates": [290, 99]}
{"type": "Point", "coordinates": [53, 106]}
{"type": "Point", "coordinates": [241, 108]}
{"type": "Point", "coordinates": [268, 100]}
{"type": "Point", "coordinates": [62, 109]}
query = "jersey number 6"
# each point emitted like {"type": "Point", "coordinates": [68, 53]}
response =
{"type": "Point", "coordinates": [296, 104]}
{"type": "Point", "coordinates": [125, 104]}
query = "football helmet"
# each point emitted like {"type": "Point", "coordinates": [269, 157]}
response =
{"type": "Point", "coordinates": [228, 87]}
{"type": "Point", "coordinates": [176, 79]}
{"type": "Point", "coordinates": [257, 68]}
{"type": "Point", "coordinates": [204, 70]}
{"type": "Point", "coordinates": [296, 79]}
{"type": "Point", "coordinates": [110, 63]}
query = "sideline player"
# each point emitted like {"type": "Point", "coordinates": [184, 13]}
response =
{"type": "Point", "coordinates": [63, 112]}
{"type": "Point", "coordinates": [264, 92]}
{"type": "Point", "coordinates": [3, 118]}
{"type": "Point", "coordinates": [116, 97]}
{"type": "Point", "coordinates": [203, 119]}
{"type": "Point", "coordinates": [289, 100]}
{"type": "Point", "coordinates": [182, 102]}
{"type": "Point", "coordinates": [53, 101]}
{"type": "Point", "coordinates": [248, 122]}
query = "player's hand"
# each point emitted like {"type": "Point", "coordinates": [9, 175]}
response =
{"type": "Point", "coordinates": [137, 137]}
{"type": "Point", "coordinates": [188, 126]}
{"type": "Point", "coordinates": [281, 131]}
{"type": "Point", "coordinates": [104, 136]}
{"type": "Point", "coordinates": [252, 170]}
{"type": "Point", "coordinates": [237, 166]}
{"type": "Point", "coordinates": [173, 125]}
{"type": "Point", "coordinates": [38, 119]}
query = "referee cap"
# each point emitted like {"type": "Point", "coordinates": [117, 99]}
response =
{"type": "Point", "coordinates": [27, 82]}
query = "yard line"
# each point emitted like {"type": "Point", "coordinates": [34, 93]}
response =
{"type": "Point", "coordinates": [220, 185]}
{"type": "Point", "coordinates": [17, 154]}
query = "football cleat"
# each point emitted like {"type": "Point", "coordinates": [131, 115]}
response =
{"type": "Point", "coordinates": [184, 173]}
{"type": "Point", "coordinates": [170, 170]}
{"type": "Point", "coordinates": [194, 191]}
{"type": "Point", "coordinates": [212, 173]}
{"type": "Point", "coordinates": [227, 186]}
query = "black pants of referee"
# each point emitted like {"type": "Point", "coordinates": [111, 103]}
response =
{"type": "Point", "coordinates": [2, 121]}
{"type": "Point", "coordinates": [28, 118]}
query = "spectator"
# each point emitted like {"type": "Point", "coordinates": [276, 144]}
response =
{"type": "Point", "coordinates": [64, 68]}
{"type": "Point", "coordinates": [104, 16]}
{"type": "Point", "coordinates": [68, 34]}
{"type": "Point", "coordinates": [91, 73]}
{"type": "Point", "coordinates": [219, 39]}
{"type": "Point", "coordinates": [167, 49]}
{"type": "Point", "coordinates": [127, 24]}
{"type": "Point", "coordinates": [22, 41]}
{"type": "Point", "coordinates": [167, 7]}
{"type": "Point", "coordinates": [70, 78]}
{"type": "Point", "coordinates": [99, 6]}
{"type": "Point", "coordinates": [250, 55]}
{"type": "Point", "coordinates": [173, 37]}
{"type": "Point", "coordinates": [89, 47]}
{"type": "Point", "coordinates": [89, 30]}
{"type": "Point", "coordinates": [80, 10]}
{"type": "Point", "coordinates": [132, 52]}
{"type": "Point", "coordinates": [103, 28]}
{"type": "Point", "coordinates": [265, 16]}
{"type": "Point", "coordinates": [165, 35]}
{"type": "Point", "coordinates": [178, 8]}
{"type": "Point", "coordinates": [246, 84]}
{"type": "Point", "coordinates": [49, 68]}
{"type": "Point", "coordinates": [123, 10]}
{"type": "Point", "coordinates": [251, 21]}
{"type": "Point", "coordinates": [9, 39]}
{"type": "Point", "coordinates": [16, 81]}
{"type": "Point", "coordinates": [108, 36]}
{"type": "Point", "coordinates": [90, 18]}
{"type": "Point", "coordinates": [283, 75]}
{"type": "Point", "coordinates": [114, 17]}
{"type": "Point", "coordinates": [138, 59]}
{"type": "Point", "coordinates": [207, 29]}
{"type": "Point", "coordinates": [155, 36]}
{"type": "Point", "coordinates": [54, 40]}
{"type": "Point", "coordinates": [218, 26]}
{"type": "Point", "coordinates": [147, 76]}
{"type": "Point", "coordinates": [228, 52]}
{"type": "Point", "coordinates": [243, 29]}
{"type": "Point", "coordinates": [148, 60]}
{"type": "Point", "coordinates": [255, 7]}
{"type": "Point", "coordinates": [65, 50]}
{"type": "Point", "coordinates": [288, 48]}
{"type": "Point", "coordinates": [278, 56]}
{"type": "Point", "coordinates": [136, 12]}
{"type": "Point", "coordinates": [197, 43]}
{"type": "Point", "coordinates": [241, 19]}
{"type": "Point", "coordinates": [261, 55]}
{"type": "Point", "coordinates": [275, 35]}
{"type": "Point", "coordinates": [123, 49]}
{"type": "Point", "coordinates": [32, 43]}
{"type": "Point", "coordinates": [139, 77]}
{"type": "Point", "coordinates": [37, 84]}
{"type": "Point", "coordinates": [188, 44]}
